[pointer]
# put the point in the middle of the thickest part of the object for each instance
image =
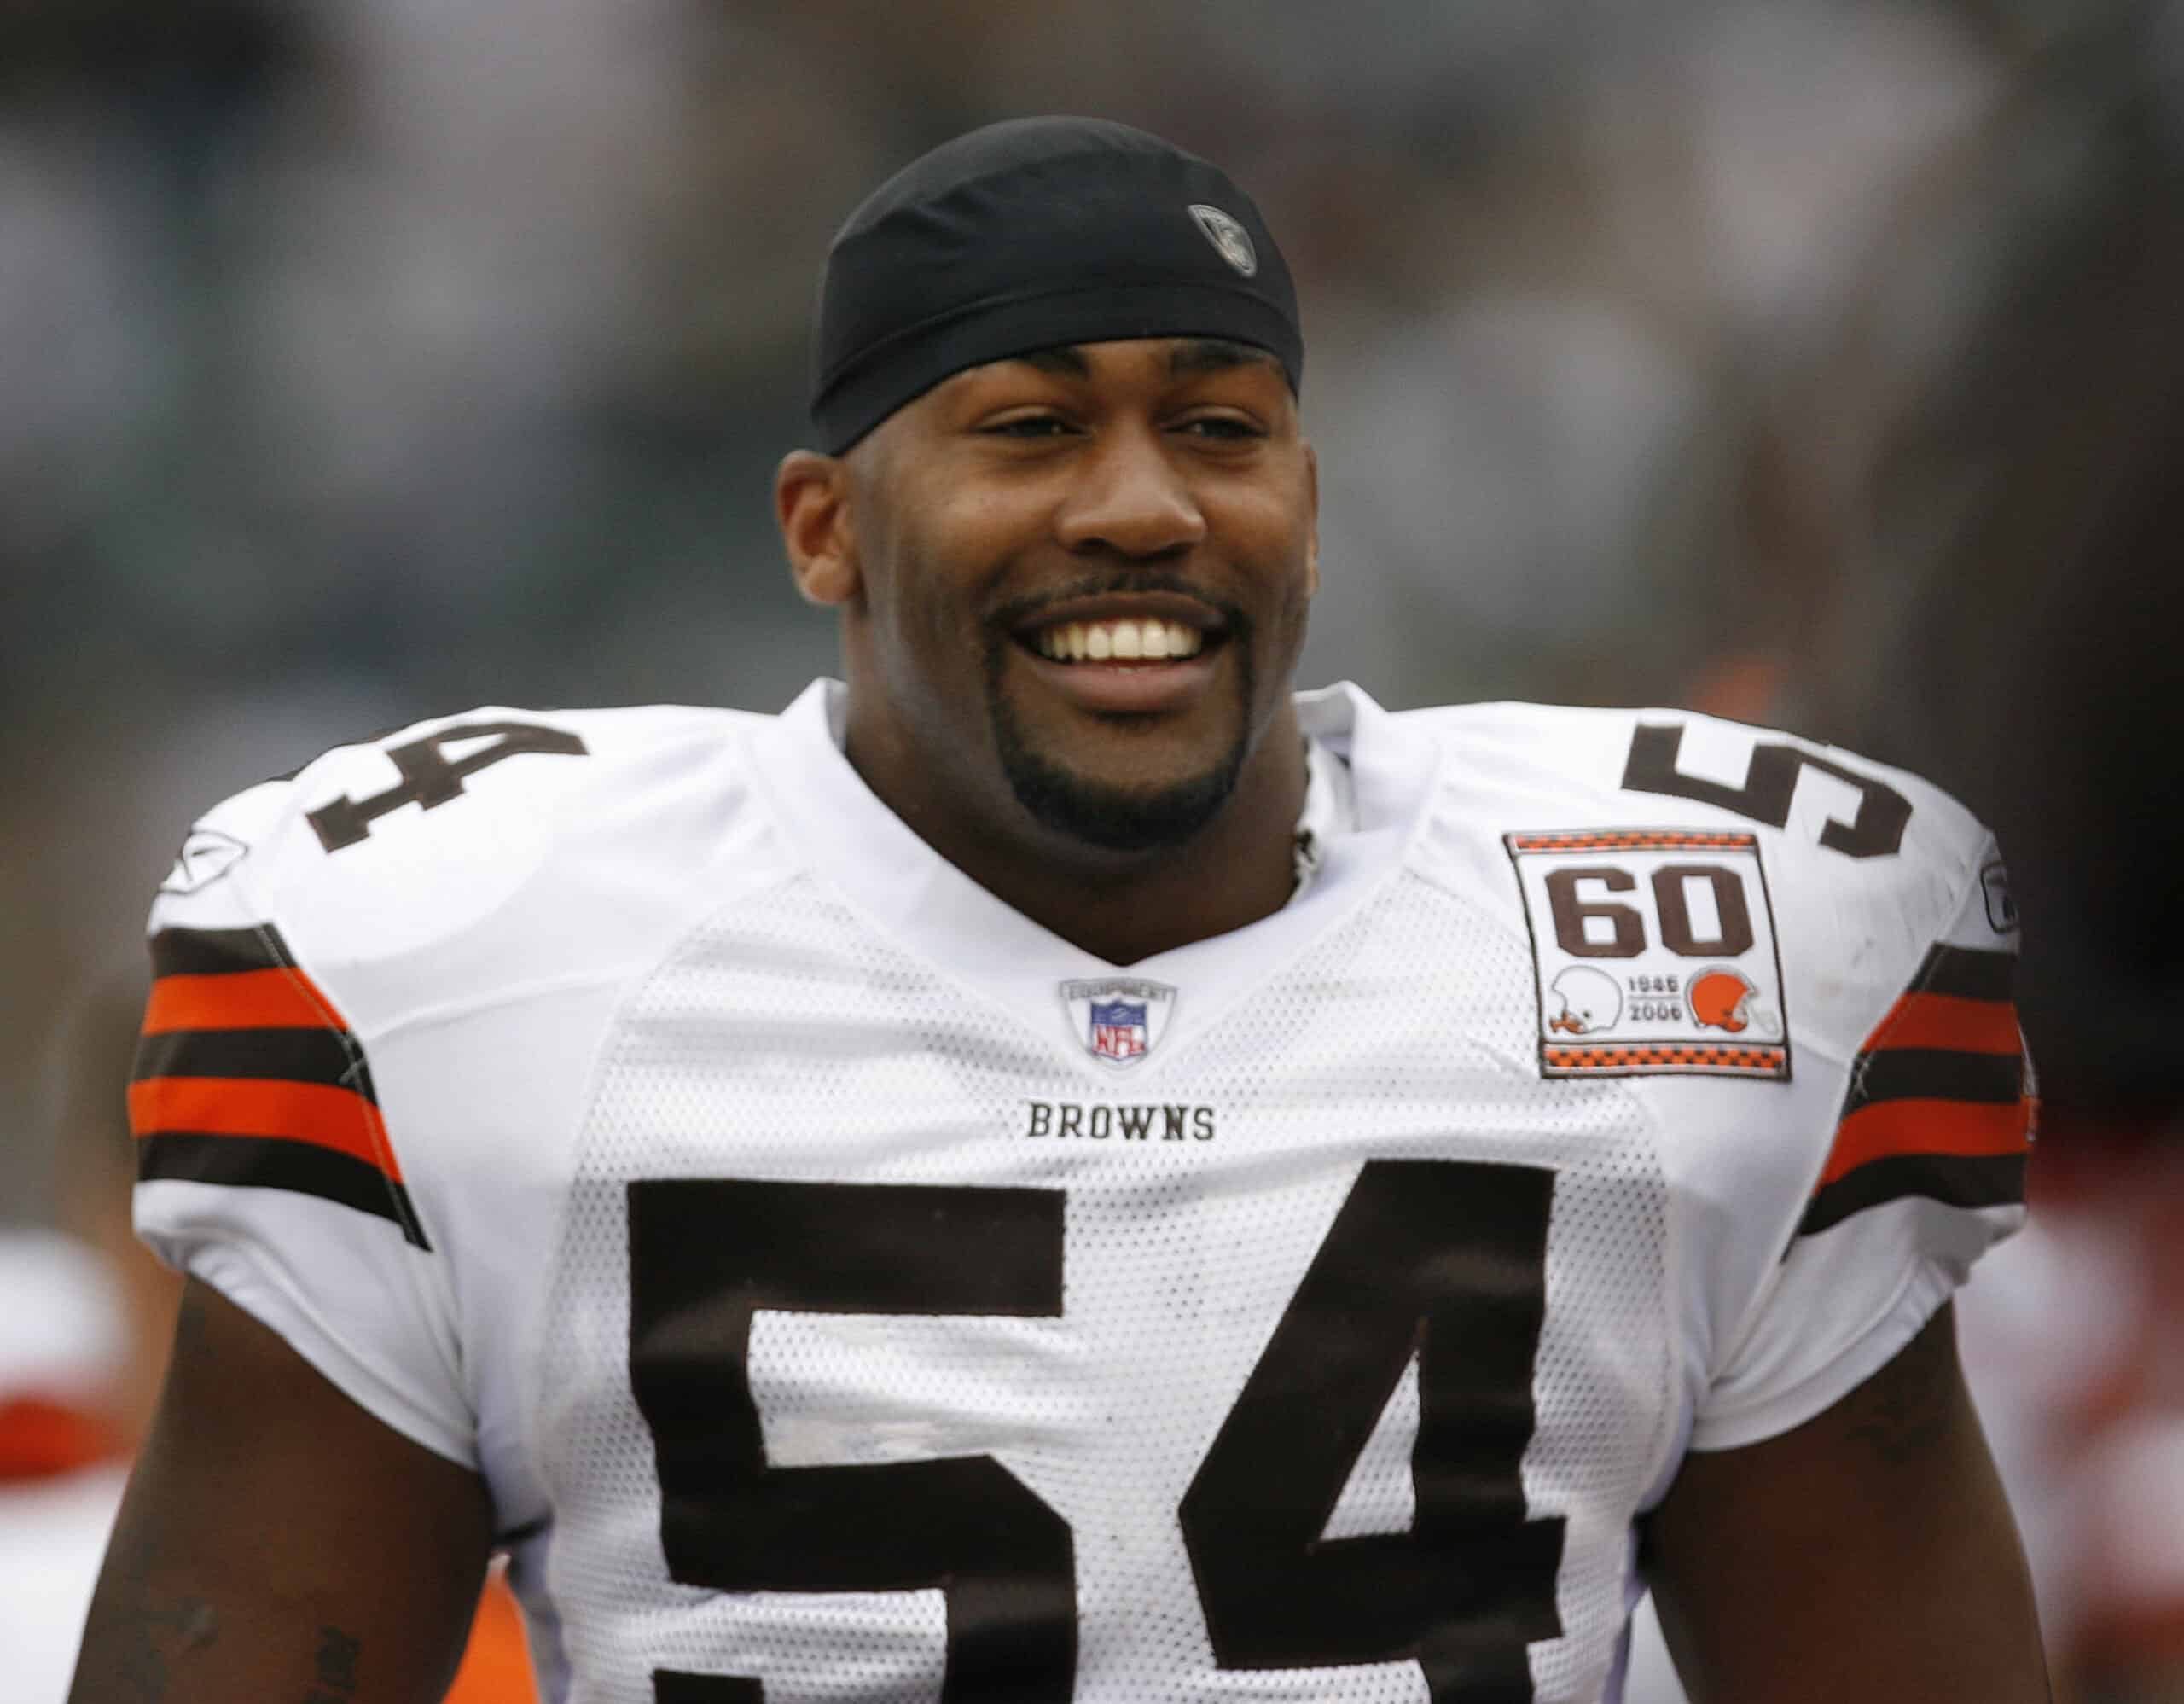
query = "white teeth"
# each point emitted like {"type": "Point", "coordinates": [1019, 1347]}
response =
{"type": "Point", "coordinates": [1131, 641]}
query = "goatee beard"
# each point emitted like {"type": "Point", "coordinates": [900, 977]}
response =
{"type": "Point", "coordinates": [1116, 818]}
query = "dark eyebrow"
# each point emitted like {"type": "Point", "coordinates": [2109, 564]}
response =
{"type": "Point", "coordinates": [1189, 356]}
{"type": "Point", "coordinates": [1215, 355]}
{"type": "Point", "coordinates": [1062, 359]}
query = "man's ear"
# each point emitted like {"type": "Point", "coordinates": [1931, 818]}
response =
{"type": "Point", "coordinates": [811, 502]}
{"type": "Point", "coordinates": [1312, 521]}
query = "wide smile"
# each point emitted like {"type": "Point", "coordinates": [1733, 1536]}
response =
{"type": "Point", "coordinates": [1120, 640]}
{"type": "Point", "coordinates": [1143, 655]}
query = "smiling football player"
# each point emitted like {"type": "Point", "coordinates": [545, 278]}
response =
{"type": "Point", "coordinates": [1059, 1167]}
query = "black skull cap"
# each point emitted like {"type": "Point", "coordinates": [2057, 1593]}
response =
{"type": "Point", "coordinates": [1032, 234]}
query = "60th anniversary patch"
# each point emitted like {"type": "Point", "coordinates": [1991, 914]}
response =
{"type": "Point", "coordinates": [1655, 951]}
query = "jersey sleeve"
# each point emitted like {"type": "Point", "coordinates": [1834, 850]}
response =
{"type": "Point", "coordinates": [1924, 1170]}
{"type": "Point", "coordinates": [266, 1166]}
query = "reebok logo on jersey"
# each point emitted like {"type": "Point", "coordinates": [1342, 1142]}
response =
{"type": "Point", "coordinates": [1655, 952]}
{"type": "Point", "coordinates": [1118, 1019]}
{"type": "Point", "coordinates": [1995, 888]}
{"type": "Point", "coordinates": [1102, 1122]}
{"type": "Point", "coordinates": [206, 855]}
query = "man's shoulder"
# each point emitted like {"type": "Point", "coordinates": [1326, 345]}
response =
{"type": "Point", "coordinates": [1682, 763]}
{"type": "Point", "coordinates": [1655, 833]}
{"type": "Point", "coordinates": [1578, 766]}
{"type": "Point", "coordinates": [465, 852]}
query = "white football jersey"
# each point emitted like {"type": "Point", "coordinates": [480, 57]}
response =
{"type": "Point", "coordinates": [851, 1292]}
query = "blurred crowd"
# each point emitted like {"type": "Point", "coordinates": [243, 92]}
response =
{"type": "Point", "coordinates": [1812, 362]}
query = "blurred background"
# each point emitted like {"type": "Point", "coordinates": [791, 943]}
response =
{"type": "Point", "coordinates": [1810, 362]}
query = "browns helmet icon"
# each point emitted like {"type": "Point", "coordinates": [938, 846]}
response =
{"type": "Point", "coordinates": [1590, 999]}
{"type": "Point", "coordinates": [1720, 1000]}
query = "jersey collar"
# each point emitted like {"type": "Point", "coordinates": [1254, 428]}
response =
{"type": "Point", "coordinates": [1363, 810]}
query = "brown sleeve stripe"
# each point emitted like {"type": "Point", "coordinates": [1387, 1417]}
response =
{"type": "Point", "coordinates": [1967, 974]}
{"type": "Point", "coordinates": [1937, 1105]}
{"type": "Point", "coordinates": [1990, 1180]}
{"type": "Point", "coordinates": [247, 1074]}
{"type": "Point", "coordinates": [316, 1055]}
{"type": "Point", "coordinates": [217, 952]}
{"type": "Point", "coordinates": [1921, 1074]}
{"type": "Point", "coordinates": [231, 979]}
{"type": "Point", "coordinates": [271, 1163]}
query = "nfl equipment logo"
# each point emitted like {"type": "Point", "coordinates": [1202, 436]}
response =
{"type": "Point", "coordinates": [1117, 1021]}
{"type": "Point", "coordinates": [1118, 1029]}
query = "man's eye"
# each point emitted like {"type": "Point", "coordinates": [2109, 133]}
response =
{"type": "Point", "coordinates": [1226, 428]}
{"type": "Point", "coordinates": [1028, 425]}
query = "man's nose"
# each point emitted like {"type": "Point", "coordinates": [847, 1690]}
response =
{"type": "Point", "coordinates": [1131, 498]}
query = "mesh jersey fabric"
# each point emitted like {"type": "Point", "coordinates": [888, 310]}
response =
{"type": "Point", "coordinates": [1180, 1256]}
{"type": "Point", "coordinates": [668, 975]}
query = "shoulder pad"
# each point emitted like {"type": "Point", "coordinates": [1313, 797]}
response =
{"type": "Point", "coordinates": [1666, 761]}
{"type": "Point", "coordinates": [438, 835]}
{"type": "Point", "coordinates": [1862, 867]}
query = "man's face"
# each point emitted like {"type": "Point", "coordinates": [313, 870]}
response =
{"type": "Point", "coordinates": [1083, 576]}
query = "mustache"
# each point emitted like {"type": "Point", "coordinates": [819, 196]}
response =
{"type": "Point", "coordinates": [1018, 612]}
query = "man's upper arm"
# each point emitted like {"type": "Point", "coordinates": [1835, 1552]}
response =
{"type": "Point", "coordinates": [278, 1543]}
{"type": "Point", "coordinates": [1867, 1553]}
{"type": "Point", "coordinates": [306, 1523]}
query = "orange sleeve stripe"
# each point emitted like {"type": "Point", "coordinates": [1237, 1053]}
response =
{"type": "Point", "coordinates": [1949, 1022]}
{"type": "Point", "coordinates": [40, 1439]}
{"type": "Point", "coordinates": [496, 1663]}
{"type": "Point", "coordinates": [338, 1119]}
{"type": "Point", "coordinates": [239, 1000]}
{"type": "Point", "coordinates": [1888, 1128]}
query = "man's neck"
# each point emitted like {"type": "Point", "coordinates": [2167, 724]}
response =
{"type": "Point", "coordinates": [1123, 907]}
